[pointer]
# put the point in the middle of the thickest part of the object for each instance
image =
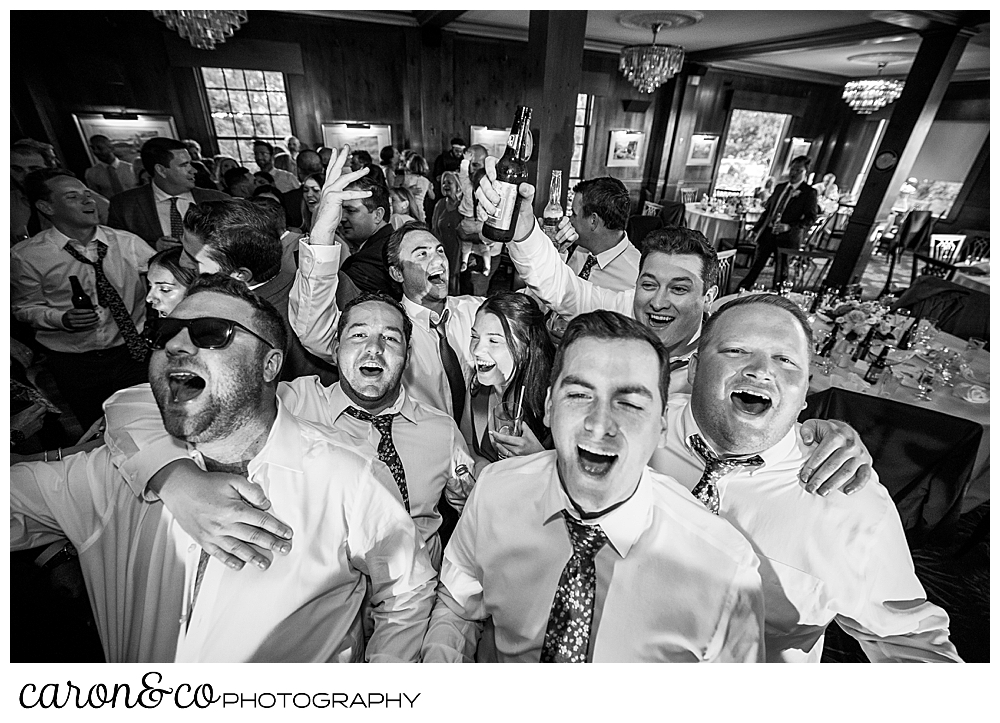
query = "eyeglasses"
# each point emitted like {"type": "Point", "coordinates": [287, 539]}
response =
{"type": "Point", "coordinates": [206, 332]}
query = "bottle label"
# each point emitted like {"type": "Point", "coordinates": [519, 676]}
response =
{"type": "Point", "coordinates": [551, 221]}
{"type": "Point", "coordinates": [502, 219]}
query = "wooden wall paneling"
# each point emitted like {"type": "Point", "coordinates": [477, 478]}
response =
{"type": "Point", "coordinates": [412, 95]}
{"type": "Point", "coordinates": [438, 94]}
{"type": "Point", "coordinates": [491, 80]}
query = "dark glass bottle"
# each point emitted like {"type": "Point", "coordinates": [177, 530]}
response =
{"type": "Point", "coordinates": [875, 371]}
{"type": "Point", "coordinates": [831, 342]}
{"type": "Point", "coordinates": [904, 340]}
{"type": "Point", "coordinates": [861, 352]}
{"type": "Point", "coordinates": [80, 299]}
{"type": "Point", "coordinates": [512, 170]}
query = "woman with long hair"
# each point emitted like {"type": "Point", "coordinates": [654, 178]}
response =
{"type": "Point", "coordinates": [415, 179]}
{"type": "Point", "coordinates": [168, 280]}
{"type": "Point", "coordinates": [513, 358]}
{"type": "Point", "coordinates": [404, 207]}
{"type": "Point", "coordinates": [223, 164]}
{"type": "Point", "coordinates": [311, 192]}
{"type": "Point", "coordinates": [444, 224]}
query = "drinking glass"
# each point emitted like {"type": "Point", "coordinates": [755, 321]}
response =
{"type": "Point", "coordinates": [925, 382]}
{"type": "Point", "coordinates": [507, 418]}
{"type": "Point", "coordinates": [888, 385]}
{"type": "Point", "coordinates": [973, 345]}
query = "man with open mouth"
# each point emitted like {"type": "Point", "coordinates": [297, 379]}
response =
{"type": "Point", "coordinates": [584, 554]}
{"type": "Point", "coordinates": [735, 444]}
{"type": "Point", "coordinates": [158, 596]}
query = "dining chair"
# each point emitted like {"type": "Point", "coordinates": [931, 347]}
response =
{"type": "Point", "coordinates": [689, 195]}
{"type": "Point", "coordinates": [726, 259]}
{"type": "Point", "coordinates": [958, 310]}
{"type": "Point", "coordinates": [977, 246]}
{"type": "Point", "coordinates": [806, 269]}
{"type": "Point", "coordinates": [651, 209]}
{"type": "Point", "coordinates": [943, 253]}
{"type": "Point", "coordinates": [913, 232]}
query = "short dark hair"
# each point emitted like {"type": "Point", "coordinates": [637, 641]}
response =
{"type": "Point", "coordinates": [266, 176]}
{"type": "Point", "coordinates": [779, 302]}
{"type": "Point", "coordinates": [456, 141]}
{"type": "Point", "coordinates": [364, 156]}
{"type": "Point", "coordinates": [612, 326]}
{"type": "Point", "coordinates": [273, 190]}
{"type": "Point", "coordinates": [257, 143]}
{"type": "Point", "coordinates": [308, 162]}
{"type": "Point", "coordinates": [686, 241]}
{"type": "Point", "coordinates": [238, 234]}
{"type": "Point", "coordinates": [396, 240]}
{"type": "Point", "coordinates": [382, 299]}
{"type": "Point", "coordinates": [267, 319]}
{"type": "Point", "coordinates": [275, 210]}
{"type": "Point", "coordinates": [170, 259]}
{"type": "Point", "coordinates": [29, 146]}
{"type": "Point", "coordinates": [608, 198]}
{"type": "Point", "coordinates": [801, 159]}
{"type": "Point", "coordinates": [378, 199]}
{"type": "Point", "coordinates": [36, 184]}
{"type": "Point", "coordinates": [234, 175]}
{"type": "Point", "coordinates": [386, 153]}
{"type": "Point", "coordinates": [159, 152]}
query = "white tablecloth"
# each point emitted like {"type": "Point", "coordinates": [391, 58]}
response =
{"type": "Point", "coordinates": [715, 226]}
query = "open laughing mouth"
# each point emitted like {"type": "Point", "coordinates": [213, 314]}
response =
{"type": "Point", "coordinates": [658, 320]}
{"type": "Point", "coordinates": [370, 369]}
{"type": "Point", "coordinates": [594, 463]}
{"type": "Point", "coordinates": [185, 386]}
{"type": "Point", "coordinates": [438, 278]}
{"type": "Point", "coordinates": [750, 402]}
{"type": "Point", "coordinates": [483, 367]}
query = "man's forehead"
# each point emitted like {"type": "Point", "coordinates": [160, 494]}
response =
{"type": "Point", "coordinates": [418, 240]}
{"type": "Point", "coordinates": [749, 319]}
{"type": "Point", "coordinates": [593, 358]}
{"type": "Point", "coordinates": [374, 313]}
{"type": "Point", "coordinates": [211, 303]}
{"type": "Point", "coordinates": [664, 263]}
{"type": "Point", "coordinates": [66, 184]}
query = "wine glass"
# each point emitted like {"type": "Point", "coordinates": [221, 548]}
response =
{"type": "Point", "coordinates": [925, 382]}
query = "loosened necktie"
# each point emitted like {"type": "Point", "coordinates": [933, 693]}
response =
{"type": "Point", "coordinates": [589, 264]}
{"type": "Point", "coordinates": [452, 367]}
{"type": "Point", "coordinates": [176, 222]}
{"type": "Point", "coordinates": [108, 297]}
{"type": "Point", "coordinates": [386, 449]}
{"type": "Point", "coordinates": [715, 468]}
{"type": "Point", "coordinates": [567, 635]}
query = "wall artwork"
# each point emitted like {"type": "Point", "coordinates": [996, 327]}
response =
{"type": "Point", "coordinates": [371, 137]}
{"type": "Point", "coordinates": [702, 150]}
{"type": "Point", "coordinates": [494, 140]}
{"type": "Point", "coordinates": [625, 148]}
{"type": "Point", "coordinates": [127, 134]}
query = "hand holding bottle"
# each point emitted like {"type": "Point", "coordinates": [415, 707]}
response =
{"type": "Point", "coordinates": [489, 199]}
{"type": "Point", "coordinates": [79, 319]}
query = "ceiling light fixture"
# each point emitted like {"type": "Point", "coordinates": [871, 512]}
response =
{"type": "Point", "coordinates": [203, 28]}
{"type": "Point", "coordinates": [647, 67]}
{"type": "Point", "coordinates": [868, 95]}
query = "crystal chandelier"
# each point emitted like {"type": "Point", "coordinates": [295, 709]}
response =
{"type": "Point", "coordinates": [872, 94]}
{"type": "Point", "coordinates": [649, 66]}
{"type": "Point", "coordinates": [203, 28]}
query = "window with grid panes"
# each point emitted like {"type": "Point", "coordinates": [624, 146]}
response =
{"type": "Point", "coordinates": [584, 110]}
{"type": "Point", "coordinates": [244, 105]}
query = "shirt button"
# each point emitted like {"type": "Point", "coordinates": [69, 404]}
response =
{"type": "Point", "coordinates": [191, 547]}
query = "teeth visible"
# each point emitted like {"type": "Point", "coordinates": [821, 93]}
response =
{"type": "Point", "coordinates": [762, 397]}
{"type": "Point", "coordinates": [595, 451]}
{"type": "Point", "coordinates": [660, 318]}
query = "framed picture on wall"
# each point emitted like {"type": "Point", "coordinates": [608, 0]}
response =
{"type": "Point", "coordinates": [126, 134]}
{"type": "Point", "coordinates": [702, 150]}
{"type": "Point", "coordinates": [798, 147]}
{"type": "Point", "coordinates": [371, 137]}
{"type": "Point", "coordinates": [625, 148]}
{"type": "Point", "coordinates": [494, 140]}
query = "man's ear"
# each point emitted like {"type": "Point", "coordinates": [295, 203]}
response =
{"type": "Point", "coordinates": [272, 364]}
{"type": "Point", "coordinates": [692, 367]}
{"type": "Point", "coordinates": [379, 214]}
{"type": "Point", "coordinates": [44, 206]}
{"type": "Point", "coordinates": [159, 170]}
{"type": "Point", "coordinates": [242, 274]}
{"type": "Point", "coordinates": [663, 428]}
{"type": "Point", "coordinates": [395, 274]}
{"type": "Point", "coordinates": [548, 408]}
{"type": "Point", "coordinates": [710, 296]}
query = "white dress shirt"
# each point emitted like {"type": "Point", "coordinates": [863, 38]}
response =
{"type": "Point", "coordinates": [617, 268]}
{"type": "Point", "coordinates": [162, 199]}
{"type": "Point", "coordinates": [40, 292]}
{"type": "Point", "coordinates": [313, 314]}
{"type": "Point", "coordinates": [838, 557]}
{"type": "Point", "coordinates": [674, 583]}
{"type": "Point", "coordinates": [98, 179]}
{"type": "Point", "coordinates": [140, 566]}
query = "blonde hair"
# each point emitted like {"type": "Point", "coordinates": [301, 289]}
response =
{"type": "Point", "coordinates": [402, 193]}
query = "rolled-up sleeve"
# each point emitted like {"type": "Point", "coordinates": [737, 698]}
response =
{"type": "Point", "coordinates": [312, 304]}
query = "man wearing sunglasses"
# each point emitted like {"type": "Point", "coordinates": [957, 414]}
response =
{"type": "Point", "coordinates": [156, 594]}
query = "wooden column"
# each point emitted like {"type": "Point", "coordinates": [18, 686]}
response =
{"type": "Point", "coordinates": [555, 49]}
{"type": "Point", "coordinates": [905, 133]}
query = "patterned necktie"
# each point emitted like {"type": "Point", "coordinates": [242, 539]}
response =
{"type": "Point", "coordinates": [567, 636]}
{"type": "Point", "coordinates": [452, 367]}
{"type": "Point", "coordinates": [706, 490]}
{"type": "Point", "coordinates": [176, 222]}
{"type": "Point", "coordinates": [386, 449]}
{"type": "Point", "coordinates": [116, 184]}
{"type": "Point", "coordinates": [590, 263]}
{"type": "Point", "coordinates": [109, 298]}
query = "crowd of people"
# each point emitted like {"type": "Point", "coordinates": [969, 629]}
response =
{"type": "Point", "coordinates": [324, 439]}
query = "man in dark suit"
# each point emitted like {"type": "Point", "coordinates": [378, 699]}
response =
{"type": "Point", "coordinates": [155, 212]}
{"type": "Point", "coordinates": [789, 213]}
{"type": "Point", "coordinates": [365, 227]}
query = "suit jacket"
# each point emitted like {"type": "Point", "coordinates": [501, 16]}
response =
{"type": "Point", "coordinates": [800, 211]}
{"type": "Point", "coordinates": [298, 361]}
{"type": "Point", "coordinates": [135, 210]}
{"type": "Point", "coordinates": [293, 208]}
{"type": "Point", "coordinates": [368, 268]}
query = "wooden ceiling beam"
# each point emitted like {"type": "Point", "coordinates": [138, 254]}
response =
{"type": "Point", "coordinates": [436, 18]}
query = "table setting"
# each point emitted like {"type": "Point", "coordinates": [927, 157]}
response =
{"type": "Point", "coordinates": [718, 220]}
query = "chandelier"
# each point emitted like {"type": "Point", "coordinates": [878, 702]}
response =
{"type": "Point", "coordinates": [203, 28]}
{"type": "Point", "coordinates": [869, 95]}
{"type": "Point", "coordinates": [649, 66]}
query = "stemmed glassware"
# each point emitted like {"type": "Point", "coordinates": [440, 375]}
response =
{"type": "Point", "coordinates": [925, 382]}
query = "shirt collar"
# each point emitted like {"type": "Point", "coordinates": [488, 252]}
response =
{"type": "Point", "coordinates": [421, 315]}
{"type": "Point", "coordinates": [772, 455]}
{"type": "Point", "coordinates": [161, 196]}
{"type": "Point", "coordinates": [623, 525]}
{"type": "Point", "coordinates": [403, 406]}
{"type": "Point", "coordinates": [606, 257]}
{"type": "Point", "coordinates": [61, 239]}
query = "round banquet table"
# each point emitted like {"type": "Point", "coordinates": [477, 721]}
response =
{"type": "Point", "coordinates": [715, 226]}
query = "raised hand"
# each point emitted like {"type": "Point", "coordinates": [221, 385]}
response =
{"type": "Point", "coordinates": [488, 199]}
{"type": "Point", "coordinates": [332, 197]}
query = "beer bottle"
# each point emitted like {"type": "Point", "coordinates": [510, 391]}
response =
{"type": "Point", "coordinates": [512, 170]}
{"type": "Point", "coordinates": [831, 341]}
{"type": "Point", "coordinates": [79, 299]}
{"type": "Point", "coordinates": [553, 211]}
{"type": "Point", "coordinates": [862, 351]}
{"type": "Point", "coordinates": [875, 371]}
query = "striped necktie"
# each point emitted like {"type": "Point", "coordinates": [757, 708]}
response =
{"type": "Point", "coordinates": [452, 367]}
{"type": "Point", "coordinates": [706, 490]}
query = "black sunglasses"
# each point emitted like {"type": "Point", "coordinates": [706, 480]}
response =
{"type": "Point", "coordinates": [206, 332]}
